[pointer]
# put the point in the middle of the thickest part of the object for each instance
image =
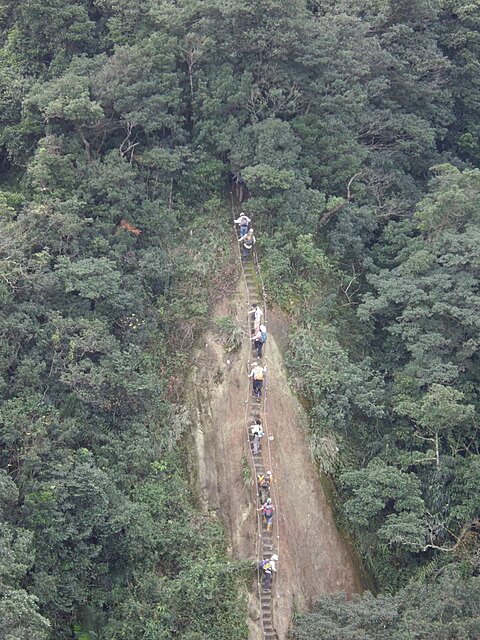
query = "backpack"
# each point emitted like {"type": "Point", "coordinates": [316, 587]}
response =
{"type": "Point", "coordinates": [268, 512]}
{"type": "Point", "coordinates": [249, 241]}
{"type": "Point", "coordinates": [264, 336]}
{"type": "Point", "coordinates": [266, 566]}
{"type": "Point", "coordinates": [258, 374]}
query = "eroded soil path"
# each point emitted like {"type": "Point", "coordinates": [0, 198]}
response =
{"type": "Point", "coordinates": [314, 558]}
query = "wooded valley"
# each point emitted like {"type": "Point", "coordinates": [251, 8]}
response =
{"type": "Point", "coordinates": [356, 127]}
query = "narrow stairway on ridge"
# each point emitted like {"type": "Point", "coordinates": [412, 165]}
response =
{"type": "Point", "coordinates": [257, 409]}
{"type": "Point", "coordinates": [269, 542]}
{"type": "Point", "coordinates": [313, 557]}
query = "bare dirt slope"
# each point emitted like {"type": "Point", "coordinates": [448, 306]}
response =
{"type": "Point", "coordinates": [314, 559]}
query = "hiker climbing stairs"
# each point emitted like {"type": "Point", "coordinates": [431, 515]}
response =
{"type": "Point", "coordinates": [257, 407]}
{"type": "Point", "coordinates": [260, 455]}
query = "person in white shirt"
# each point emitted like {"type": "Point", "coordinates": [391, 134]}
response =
{"type": "Point", "coordinates": [257, 317]}
{"type": "Point", "coordinates": [244, 221]}
{"type": "Point", "coordinates": [269, 567]}
{"type": "Point", "coordinates": [257, 433]}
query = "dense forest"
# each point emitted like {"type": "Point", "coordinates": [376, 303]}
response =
{"type": "Point", "coordinates": [356, 126]}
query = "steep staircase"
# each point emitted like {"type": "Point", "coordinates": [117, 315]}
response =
{"type": "Point", "coordinates": [257, 408]}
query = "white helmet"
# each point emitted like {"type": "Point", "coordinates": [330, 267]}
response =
{"type": "Point", "coordinates": [274, 557]}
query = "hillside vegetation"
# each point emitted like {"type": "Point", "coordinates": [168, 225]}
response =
{"type": "Point", "coordinates": [356, 126]}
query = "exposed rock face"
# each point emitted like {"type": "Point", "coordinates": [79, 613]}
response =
{"type": "Point", "coordinates": [314, 558]}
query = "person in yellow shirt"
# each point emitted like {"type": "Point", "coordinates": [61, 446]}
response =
{"type": "Point", "coordinates": [264, 482]}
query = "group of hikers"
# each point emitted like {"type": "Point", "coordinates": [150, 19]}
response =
{"type": "Point", "coordinates": [259, 330]}
{"type": "Point", "coordinates": [257, 374]}
{"type": "Point", "coordinates": [247, 238]}
{"type": "Point", "coordinates": [267, 508]}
